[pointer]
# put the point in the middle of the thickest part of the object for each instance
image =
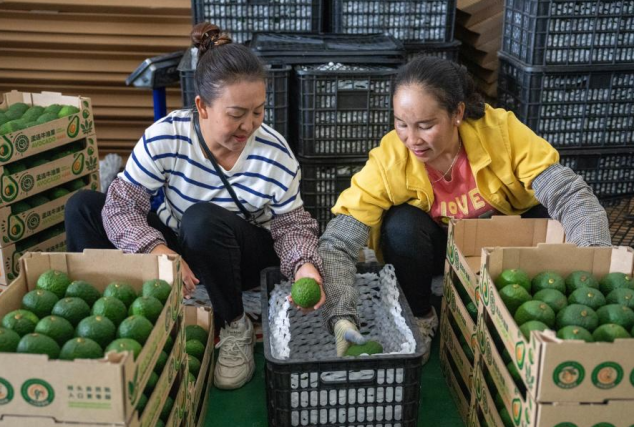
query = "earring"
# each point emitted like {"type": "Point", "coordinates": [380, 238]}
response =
{"type": "Point", "coordinates": [457, 122]}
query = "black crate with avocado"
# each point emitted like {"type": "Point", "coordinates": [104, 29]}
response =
{"type": "Point", "coordinates": [369, 348]}
{"type": "Point", "coordinates": [513, 276]}
{"type": "Point", "coordinates": [58, 328]}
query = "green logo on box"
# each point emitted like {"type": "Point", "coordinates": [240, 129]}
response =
{"type": "Point", "coordinates": [520, 354]}
{"type": "Point", "coordinates": [38, 392]}
{"type": "Point", "coordinates": [568, 375]}
{"type": "Point", "coordinates": [27, 183]}
{"type": "Point", "coordinates": [73, 127]}
{"type": "Point", "coordinates": [607, 375]}
{"type": "Point", "coordinates": [33, 221]}
{"type": "Point", "coordinates": [22, 143]}
{"type": "Point", "coordinates": [9, 188]}
{"type": "Point", "coordinates": [6, 392]}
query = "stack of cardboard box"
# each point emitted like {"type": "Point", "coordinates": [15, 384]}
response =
{"type": "Point", "coordinates": [89, 48]}
{"type": "Point", "coordinates": [479, 28]}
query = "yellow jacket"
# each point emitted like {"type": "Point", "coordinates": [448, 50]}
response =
{"type": "Point", "coordinates": [504, 154]}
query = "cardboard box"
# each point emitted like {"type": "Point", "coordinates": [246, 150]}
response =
{"type": "Point", "coordinates": [204, 318]}
{"type": "Point", "coordinates": [36, 139]}
{"type": "Point", "coordinates": [120, 377]}
{"type": "Point", "coordinates": [614, 413]}
{"type": "Point", "coordinates": [554, 370]}
{"type": "Point", "coordinates": [457, 307]}
{"type": "Point", "coordinates": [19, 186]}
{"type": "Point", "coordinates": [449, 340]}
{"type": "Point", "coordinates": [178, 414]}
{"type": "Point", "coordinates": [11, 255]}
{"type": "Point", "coordinates": [17, 227]}
{"type": "Point", "coordinates": [457, 388]}
{"type": "Point", "coordinates": [467, 237]}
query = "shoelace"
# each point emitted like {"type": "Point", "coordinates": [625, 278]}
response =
{"type": "Point", "coordinates": [232, 349]}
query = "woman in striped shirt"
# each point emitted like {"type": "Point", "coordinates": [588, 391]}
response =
{"type": "Point", "coordinates": [227, 230]}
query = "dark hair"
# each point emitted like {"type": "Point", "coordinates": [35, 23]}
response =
{"type": "Point", "coordinates": [221, 62]}
{"type": "Point", "coordinates": [447, 81]}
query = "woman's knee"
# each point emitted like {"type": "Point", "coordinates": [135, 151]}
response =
{"type": "Point", "coordinates": [84, 202]}
{"type": "Point", "coordinates": [205, 219]}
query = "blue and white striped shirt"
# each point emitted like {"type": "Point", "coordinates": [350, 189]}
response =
{"type": "Point", "coordinates": [265, 177]}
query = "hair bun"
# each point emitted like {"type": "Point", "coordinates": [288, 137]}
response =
{"type": "Point", "coordinates": [206, 36]}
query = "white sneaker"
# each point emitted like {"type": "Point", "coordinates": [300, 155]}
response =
{"type": "Point", "coordinates": [427, 326]}
{"type": "Point", "coordinates": [235, 365]}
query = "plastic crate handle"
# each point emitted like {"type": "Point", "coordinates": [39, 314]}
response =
{"type": "Point", "coordinates": [365, 376]}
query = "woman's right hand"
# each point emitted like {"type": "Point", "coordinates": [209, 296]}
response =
{"type": "Point", "coordinates": [189, 279]}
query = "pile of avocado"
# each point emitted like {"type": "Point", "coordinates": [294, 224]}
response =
{"type": "Point", "coordinates": [21, 116]}
{"type": "Point", "coordinates": [578, 307]}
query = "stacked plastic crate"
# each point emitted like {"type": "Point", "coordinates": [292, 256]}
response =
{"type": "Point", "coordinates": [48, 151]}
{"type": "Point", "coordinates": [567, 71]}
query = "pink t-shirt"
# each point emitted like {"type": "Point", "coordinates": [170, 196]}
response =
{"type": "Point", "coordinates": [459, 197]}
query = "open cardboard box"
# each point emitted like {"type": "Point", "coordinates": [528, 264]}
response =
{"type": "Point", "coordinates": [555, 370]}
{"type": "Point", "coordinates": [36, 139]}
{"type": "Point", "coordinates": [44, 388]}
{"type": "Point", "coordinates": [459, 389]}
{"type": "Point", "coordinates": [467, 237]}
{"type": "Point", "coordinates": [456, 307]}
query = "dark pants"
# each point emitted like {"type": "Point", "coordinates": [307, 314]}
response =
{"type": "Point", "coordinates": [416, 245]}
{"type": "Point", "coordinates": [225, 252]}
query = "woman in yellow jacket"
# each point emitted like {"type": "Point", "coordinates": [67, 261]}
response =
{"type": "Point", "coordinates": [449, 156]}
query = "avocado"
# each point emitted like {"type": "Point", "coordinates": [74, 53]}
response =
{"type": "Point", "coordinates": [514, 296]}
{"type": "Point", "coordinates": [135, 327]}
{"type": "Point", "coordinates": [511, 277]}
{"type": "Point", "coordinates": [306, 292]}
{"type": "Point", "coordinates": [67, 110]}
{"type": "Point", "coordinates": [574, 333]}
{"type": "Point", "coordinates": [535, 310]}
{"type": "Point", "coordinates": [71, 309]}
{"type": "Point", "coordinates": [46, 117]}
{"type": "Point", "coordinates": [591, 297]}
{"type": "Point", "coordinates": [532, 325]}
{"type": "Point", "coordinates": [578, 315]}
{"type": "Point", "coordinates": [555, 299]}
{"type": "Point", "coordinates": [54, 281]}
{"type": "Point", "coordinates": [122, 291]}
{"type": "Point", "coordinates": [369, 348]}
{"type": "Point", "coordinates": [148, 307]}
{"type": "Point", "coordinates": [57, 328]}
{"type": "Point", "coordinates": [8, 340]}
{"type": "Point", "coordinates": [84, 290]}
{"type": "Point", "coordinates": [195, 348]}
{"type": "Point", "coordinates": [612, 281]}
{"type": "Point", "coordinates": [196, 332]}
{"type": "Point", "coordinates": [40, 302]}
{"type": "Point", "coordinates": [156, 288]}
{"type": "Point", "coordinates": [609, 332]}
{"type": "Point", "coordinates": [194, 365]}
{"type": "Point", "coordinates": [110, 307]}
{"type": "Point", "coordinates": [100, 329]}
{"type": "Point", "coordinates": [32, 113]}
{"type": "Point", "coordinates": [12, 126]}
{"type": "Point", "coordinates": [39, 344]}
{"type": "Point", "coordinates": [548, 280]}
{"type": "Point", "coordinates": [617, 314]}
{"type": "Point", "coordinates": [125, 344]}
{"type": "Point", "coordinates": [81, 348]}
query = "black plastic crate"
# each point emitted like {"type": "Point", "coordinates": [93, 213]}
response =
{"type": "Point", "coordinates": [556, 32]}
{"type": "Point", "coordinates": [323, 181]}
{"type": "Point", "coordinates": [241, 18]}
{"type": "Point", "coordinates": [344, 110]}
{"type": "Point", "coordinates": [408, 21]}
{"type": "Point", "coordinates": [276, 109]}
{"type": "Point", "coordinates": [294, 49]}
{"type": "Point", "coordinates": [620, 213]}
{"type": "Point", "coordinates": [571, 107]}
{"type": "Point", "coordinates": [334, 380]}
{"type": "Point", "coordinates": [610, 173]}
{"type": "Point", "coordinates": [441, 50]}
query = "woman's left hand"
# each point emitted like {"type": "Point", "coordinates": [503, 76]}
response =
{"type": "Point", "coordinates": [309, 270]}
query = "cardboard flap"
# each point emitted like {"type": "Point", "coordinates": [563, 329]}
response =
{"type": "Point", "coordinates": [622, 260]}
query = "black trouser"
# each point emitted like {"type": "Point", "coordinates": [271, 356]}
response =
{"type": "Point", "coordinates": [225, 252]}
{"type": "Point", "coordinates": [416, 245]}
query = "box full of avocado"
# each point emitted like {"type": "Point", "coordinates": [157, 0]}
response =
{"type": "Point", "coordinates": [176, 408]}
{"type": "Point", "coordinates": [491, 407]}
{"type": "Point", "coordinates": [32, 123]}
{"type": "Point", "coordinates": [29, 216]}
{"type": "Point", "coordinates": [566, 328]}
{"type": "Point", "coordinates": [199, 346]}
{"type": "Point", "coordinates": [459, 308]}
{"type": "Point", "coordinates": [457, 373]}
{"type": "Point", "coordinates": [467, 238]}
{"type": "Point", "coordinates": [104, 322]}
{"type": "Point", "coordinates": [62, 165]}
{"type": "Point", "coordinates": [52, 239]}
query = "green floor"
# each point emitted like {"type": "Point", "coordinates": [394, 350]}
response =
{"type": "Point", "coordinates": [246, 407]}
